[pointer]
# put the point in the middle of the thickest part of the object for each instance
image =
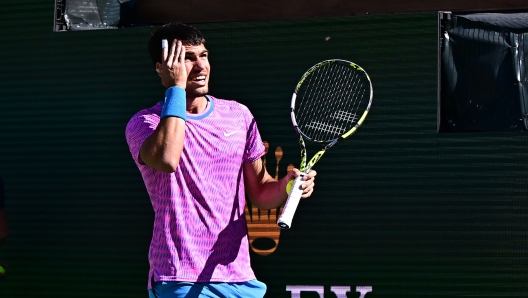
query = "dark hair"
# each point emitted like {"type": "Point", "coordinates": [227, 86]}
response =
{"type": "Point", "coordinates": [186, 33]}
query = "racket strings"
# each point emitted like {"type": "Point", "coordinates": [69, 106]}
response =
{"type": "Point", "coordinates": [313, 85]}
{"type": "Point", "coordinates": [324, 127]}
{"type": "Point", "coordinates": [334, 93]}
{"type": "Point", "coordinates": [356, 92]}
{"type": "Point", "coordinates": [319, 89]}
{"type": "Point", "coordinates": [330, 100]}
{"type": "Point", "coordinates": [343, 113]}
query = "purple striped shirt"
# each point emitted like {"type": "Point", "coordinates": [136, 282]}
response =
{"type": "Point", "coordinates": [199, 227]}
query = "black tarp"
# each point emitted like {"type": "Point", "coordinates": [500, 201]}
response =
{"type": "Point", "coordinates": [483, 83]}
{"type": "Point", "coordinates": [92, 14]}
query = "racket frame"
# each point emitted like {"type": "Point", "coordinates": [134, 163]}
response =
{"type": "Point", "coordinates": [305, 167]}
{"type": "Point", "coordinates": [284, 221]}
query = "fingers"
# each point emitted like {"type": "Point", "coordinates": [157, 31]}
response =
{"type": "Point", "coordinates": [174, 55]}
{"type": "Point", "coordinates": [164, 50]}
{"type": "Point", "coordinates": [170, 58]}
{"type": "Point", "coordinates": [179, 56]}
{"type": "Point", "coordinates": [296, 173]}
{"type": "Point", "coordinates": [182, 55]}
{"type": "Point", "coordinates": [310, 175]}
{"type": "Point", "coordinates": [173, 71]}
{"type": "Point", "coordinates": [307, 193]}
{"type": "Point", "coordinates": [308, 184]}
{"type": "Point", "coordinates": [180, 71]}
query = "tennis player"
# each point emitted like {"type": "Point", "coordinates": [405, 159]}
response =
{"type": "Point", "coordinates": [199, 156]}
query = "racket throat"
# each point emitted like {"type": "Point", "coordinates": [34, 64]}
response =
{"type": "Point", "coordinates": [312, 161]}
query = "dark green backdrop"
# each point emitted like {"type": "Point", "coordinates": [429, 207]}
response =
{"type": "Point", "coordinates": [397, 207]}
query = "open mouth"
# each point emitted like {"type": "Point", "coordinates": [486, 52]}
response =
{"type": "Point", "coordinates": [198, 79]}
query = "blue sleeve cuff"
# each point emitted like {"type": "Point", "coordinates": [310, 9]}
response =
{"type": "Point", "coordinates": [175, 104]}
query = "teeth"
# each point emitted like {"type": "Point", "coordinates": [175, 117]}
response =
{"type": "Point", "coordinates": [199, 78]}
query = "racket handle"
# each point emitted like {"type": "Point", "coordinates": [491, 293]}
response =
{"type": "Point", "coordinates": [292, 202]}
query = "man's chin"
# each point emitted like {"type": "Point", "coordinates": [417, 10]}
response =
{"type": "Point", "coordinates": [198, 92]}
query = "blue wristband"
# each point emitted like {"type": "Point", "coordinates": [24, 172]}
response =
{"type": "Point", "coordinates": [175, 104]}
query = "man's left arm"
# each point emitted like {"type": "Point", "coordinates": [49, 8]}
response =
{"type": "Point", "coordinates": [265, 192]}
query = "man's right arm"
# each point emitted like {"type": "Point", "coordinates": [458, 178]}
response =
{"type": "Point", "coordinates": [163, 148]}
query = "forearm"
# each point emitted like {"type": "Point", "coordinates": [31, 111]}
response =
{"type": "Point", "coordinates": [270, 193]}
{"type": "Point", "coordinates": [265, 192]}
{"type": "Point", "coordinates": [163, 148]}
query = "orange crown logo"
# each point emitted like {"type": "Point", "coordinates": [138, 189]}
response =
{"type": "Point", "coordinates": [263, 232]}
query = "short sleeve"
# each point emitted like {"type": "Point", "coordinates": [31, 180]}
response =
{"type": "Point", "coordinates": [254, 145]}
{"type": "Point", "coordinates": [140, 127]}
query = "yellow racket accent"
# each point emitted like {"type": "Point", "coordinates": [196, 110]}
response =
{"type": "Point", "coordinates": [346, 135]}
{"type": "Point", "coordinates": [357, 67]}
{"type": "Point", "coordinates": [315, 159]}
{"type": "Point", "coordinates": [289, 186]}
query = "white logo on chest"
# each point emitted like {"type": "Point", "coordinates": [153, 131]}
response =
{"type": "Point", "coordinates": [227, 134]}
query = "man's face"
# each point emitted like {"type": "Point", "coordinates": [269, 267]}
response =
{"type": "Point", "coordinates": [198, 70]}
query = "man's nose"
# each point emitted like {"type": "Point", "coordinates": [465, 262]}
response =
{"type": "Point", "coordinates": [199, 64]}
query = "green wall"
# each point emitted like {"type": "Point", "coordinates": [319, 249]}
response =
{"type": "Point", "coordinates": [397, 207]}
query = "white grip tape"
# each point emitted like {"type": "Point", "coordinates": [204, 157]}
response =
{"type": "Point", "coordinates": [292, 202]}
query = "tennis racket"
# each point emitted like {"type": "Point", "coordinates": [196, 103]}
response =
{"type": "Point", "coordinates": [329, 104]}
